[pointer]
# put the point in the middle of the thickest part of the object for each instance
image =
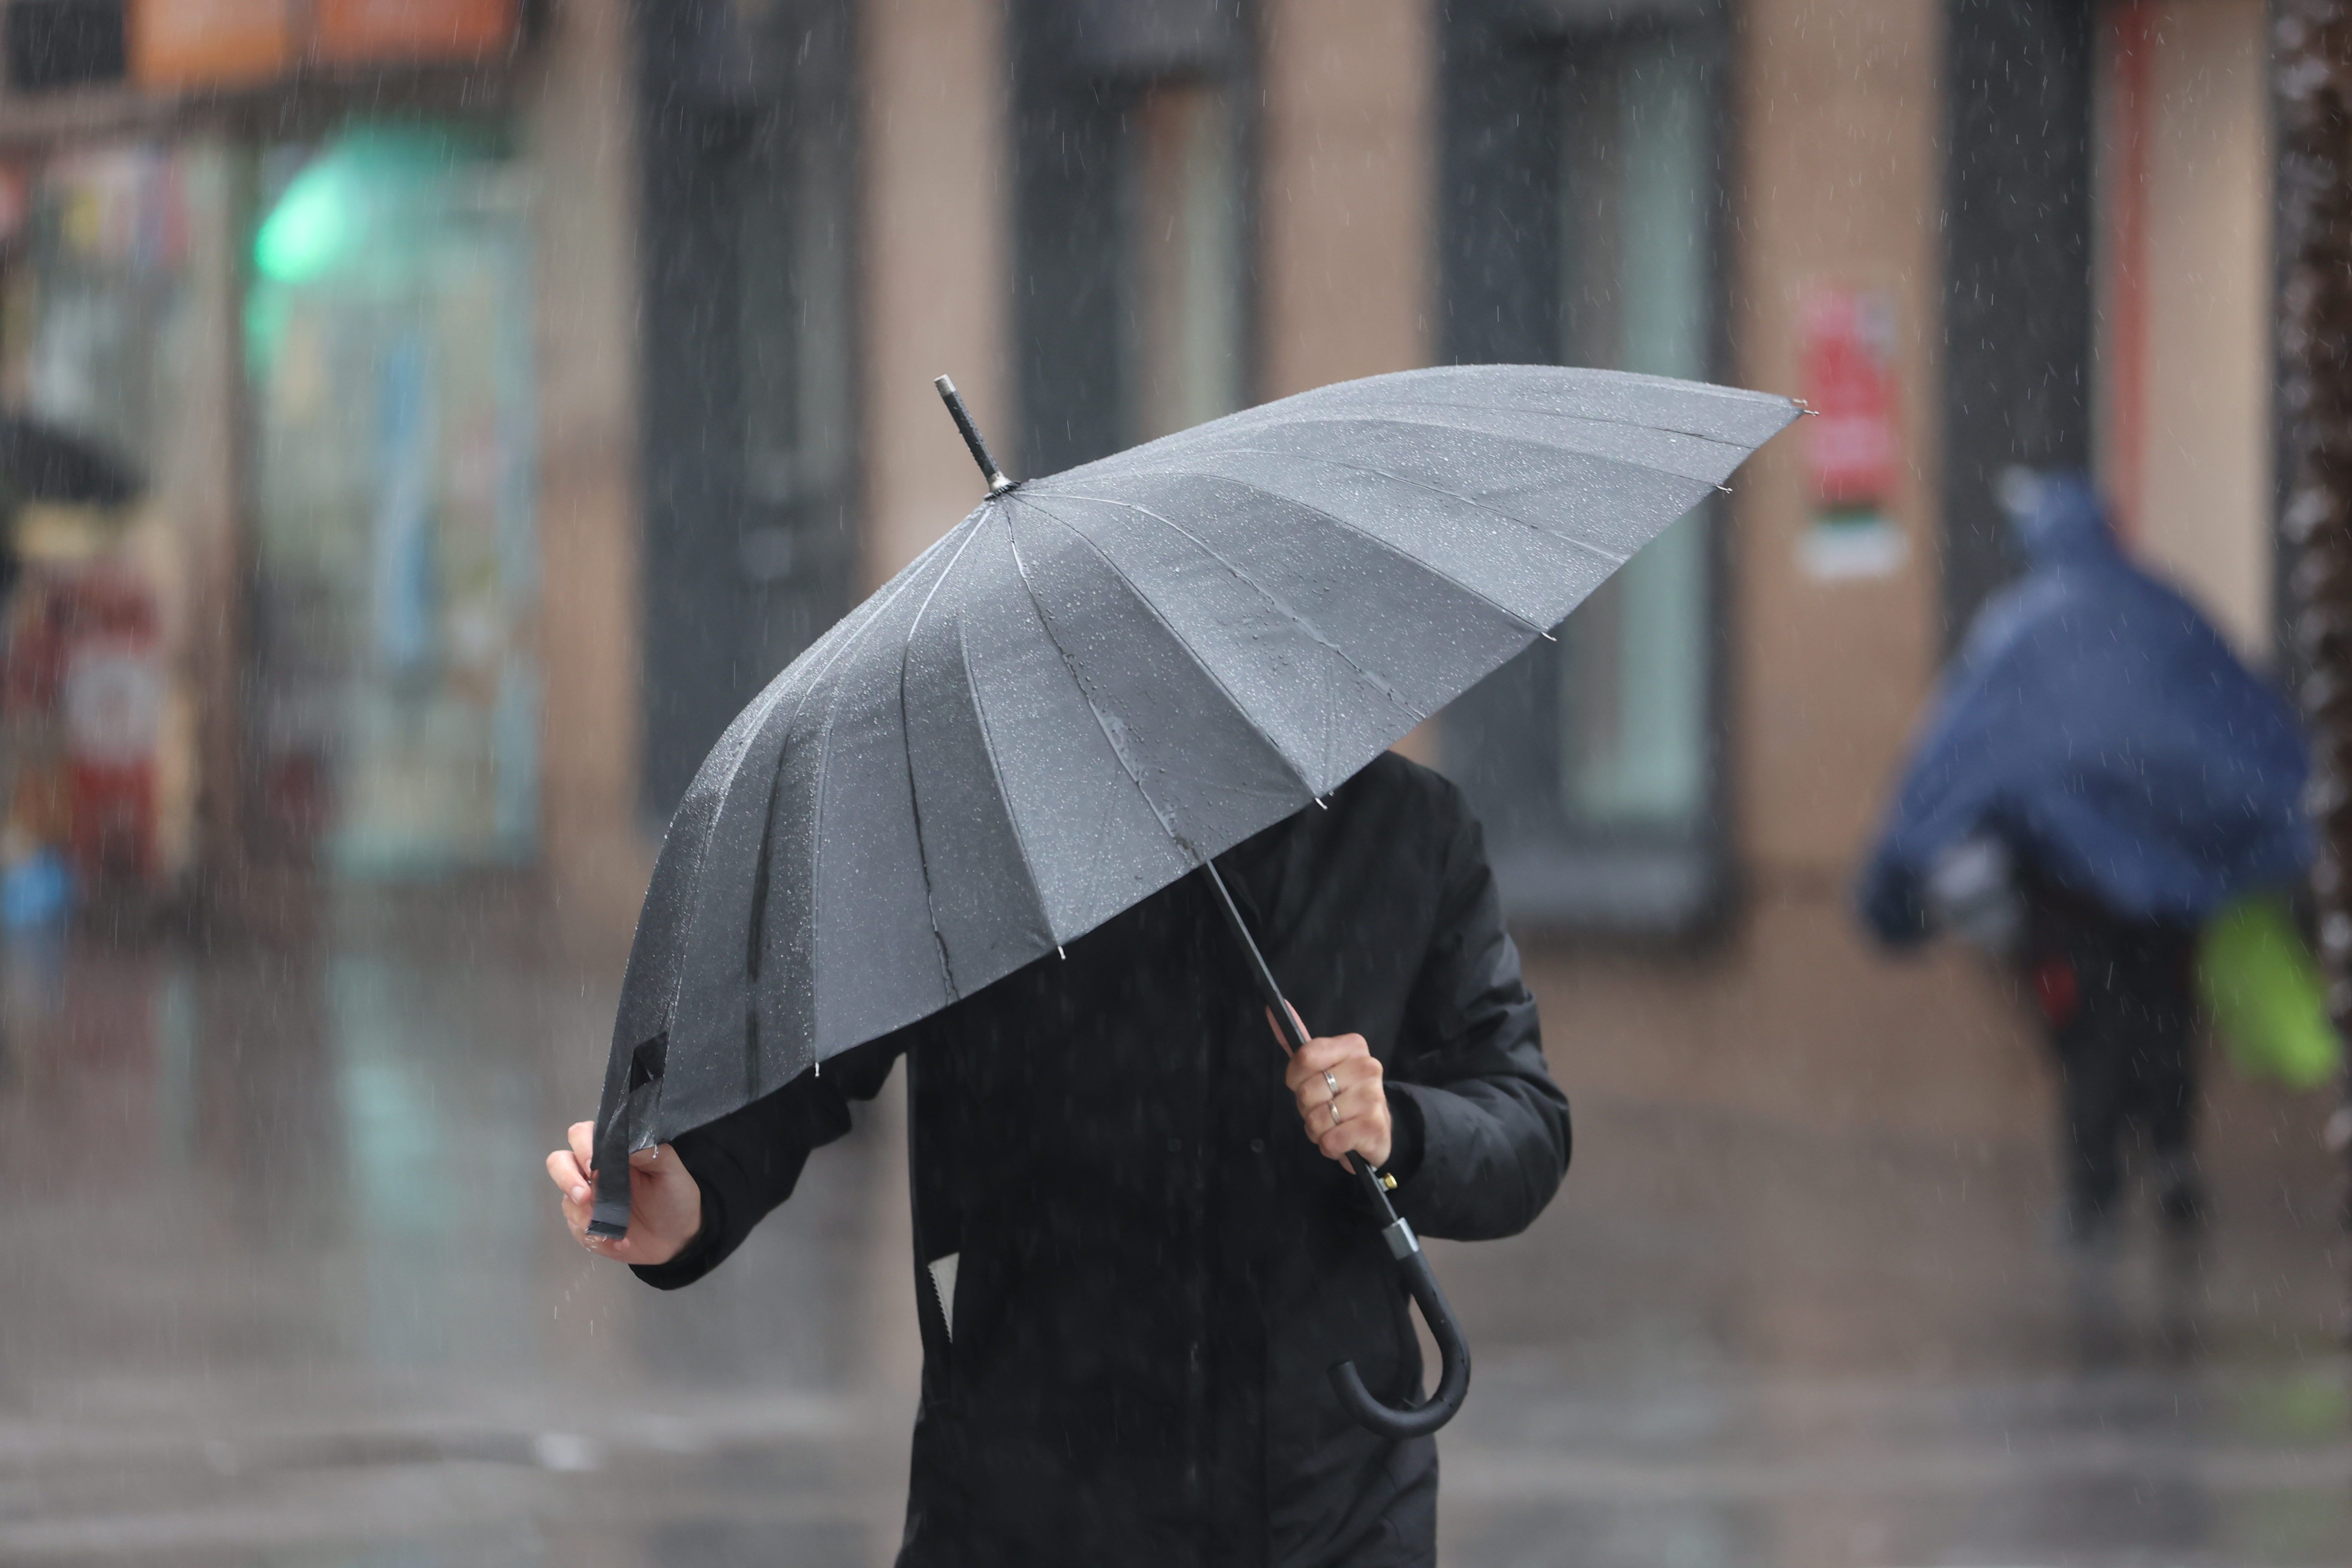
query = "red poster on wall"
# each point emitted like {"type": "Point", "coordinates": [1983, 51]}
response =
{"type": "Point", "coordinates": [1848, 373]}
{"type": "Point", "coordinates": [375, 32]}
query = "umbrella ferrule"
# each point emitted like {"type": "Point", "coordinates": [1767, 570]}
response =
{"type": "Point", "coordinates": [1402, 1243]}
{"type": "Point", "coordinates": [997, 483]}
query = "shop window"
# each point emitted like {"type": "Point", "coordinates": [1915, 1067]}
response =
{"type": "Point", "coordinates": [388, 351]}
{"type": "Point", "coordinates": [1133, 194]}
{"type": "Point", "coordinates": [1636, 293]}
{"type": "Point", "coordinates": [745, 219]}
{"type": "Point", "coordinates": [1183, 258]}
{"type": "Point", "coordinates": [105, 489]}
{"type": "Point", "coordinates": [1594, 760]}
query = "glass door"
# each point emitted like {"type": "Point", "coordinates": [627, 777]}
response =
{"type": "Point", "coordinates": [1636, 291]}
{"type": "Point", "coordinates": [1592, 760]}
{"type": "Point", "coordinates": [388, 350]}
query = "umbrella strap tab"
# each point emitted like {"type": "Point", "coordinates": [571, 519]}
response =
{"type": "Point", "coordinates": [623, 1135]}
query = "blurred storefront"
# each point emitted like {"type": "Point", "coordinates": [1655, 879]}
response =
{"type": "Point", "coordinates": [94, 335]}
{"type": "Point", "coordinates": [392, 719]}
{"type": "Point", "coordinates": [284, 263]}
{"type": "Point", "coordinates": [517, 387]}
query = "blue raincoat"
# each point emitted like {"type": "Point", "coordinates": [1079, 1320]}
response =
{"type": "Point", "coordinates": [2099, 726]}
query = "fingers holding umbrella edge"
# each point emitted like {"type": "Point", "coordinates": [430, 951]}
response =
{"type": "Point", "coordinates": [572, 1171]}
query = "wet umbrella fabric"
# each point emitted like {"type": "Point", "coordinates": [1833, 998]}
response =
{"type": "Point", "coordinates": [1099, 680]}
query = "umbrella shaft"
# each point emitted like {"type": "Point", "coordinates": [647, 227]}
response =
{"type": "Point", "coordinates": [1287, 1024]}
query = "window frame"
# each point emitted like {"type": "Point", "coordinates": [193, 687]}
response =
{"type": "Point", "coordinates": [1501, 260]}
{"type": "Point", "coordinates": [1078, 68]}
{"type": "Point", "coordinates": [723, 608]}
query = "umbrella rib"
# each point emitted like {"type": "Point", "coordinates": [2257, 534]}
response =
{"type": "Point", "coordinates": [828, 651]}
{"type": "Point", "coordinates": [1622, 464]}
{"type": "Point", "coordinates": [1178, 637]}
{"type": "Point", "coordinates": [997, 774]}
{"type": "Point", "coordinates": [1405, 416]}
{"type": "Point", "coordinates": [1245, 419]}
{"type": "Point", "coordinates": [1360, 531]}
{"type": "Point", "coordinates": [1167, 823]}
{"type": "Point", "coordinates": [767, 702]}
{"type": "Point", "coordinates": [824, 740]}
{"type": "Point", "coordinates": [1570, 539]}
{"type": "Point", "coordinates": [906, 750]}
{"type": "Point", "coordinates": [1263, 591]}
{"type": "Point", "coordinates": [1621, 424]}
{"type": "Point", "coordinates": [1551, 448]}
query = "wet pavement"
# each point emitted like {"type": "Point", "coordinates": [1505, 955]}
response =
{"type": "Point", "coordinates": [281, 1283]}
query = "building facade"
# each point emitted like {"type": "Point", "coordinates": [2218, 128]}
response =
{"type": "Point", "coordinates": [522, 390]}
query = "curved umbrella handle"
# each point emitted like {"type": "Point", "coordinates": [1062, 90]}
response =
{"type": "Point", "coordinates": [1454, 1382]}
{"type": "Point", "coordinates": [1392, 1422]}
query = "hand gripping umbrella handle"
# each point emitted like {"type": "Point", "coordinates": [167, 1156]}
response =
{"type": "Point", "coordinates": [1395, 1423]}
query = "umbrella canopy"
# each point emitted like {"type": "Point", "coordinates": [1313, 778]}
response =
{"type": "Point", "coordinates": [1098, 681]}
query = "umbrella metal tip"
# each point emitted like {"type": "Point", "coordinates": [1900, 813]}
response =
{"type": "Point", "coordinates": [997, 483]}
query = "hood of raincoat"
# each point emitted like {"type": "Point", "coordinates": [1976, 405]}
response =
{"type": "Point", "coordinates": [2061, 521]}
{"type": "Point", "coordinates": [2096, 723]}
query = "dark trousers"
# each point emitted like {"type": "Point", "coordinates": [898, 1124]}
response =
{"type": "Point", "coordinates": [2119, 1002]}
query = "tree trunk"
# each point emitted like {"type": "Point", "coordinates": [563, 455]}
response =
{"type": "Point", "coordinates": [2314, 60]}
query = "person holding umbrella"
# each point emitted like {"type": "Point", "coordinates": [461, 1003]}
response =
{"type": "Point", "coordinates": [1134, 1277]}
{"type": "Point", "coordinates": [1044, 820]}
{"type": "Point", "coordinates": [2098, 776]}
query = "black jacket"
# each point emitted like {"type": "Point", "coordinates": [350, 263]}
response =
{"type": "Point", "coordinates": [1154, 1267]}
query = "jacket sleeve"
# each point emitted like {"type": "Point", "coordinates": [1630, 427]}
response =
{"type": "Point", "coordinates": [1482, 1132]}
{"type": "Point", "coordinates": [749, 1161]}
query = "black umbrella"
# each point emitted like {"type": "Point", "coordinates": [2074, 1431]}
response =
{"type": "Point", "coordinates": [40, 462]}
{"type": "Point", "coordinates": [1099, 681]}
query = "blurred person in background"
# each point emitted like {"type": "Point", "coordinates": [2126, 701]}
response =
{"type": "Point", "coordinates": [2098, 775]}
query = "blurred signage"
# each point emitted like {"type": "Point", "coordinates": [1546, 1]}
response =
{"type": "Point", "coordinates": [179, 43]}
{"type": "Point", "coordinates": [55, 43]}
{"type": "Point", "coordinates": [192, 43]}
{"type": "Point", "coordinates": [367, 32]}
{"type": "Point", "coordinates": [1849, 382]}
{"type": "Point", "coordinates": [1846, 365]}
